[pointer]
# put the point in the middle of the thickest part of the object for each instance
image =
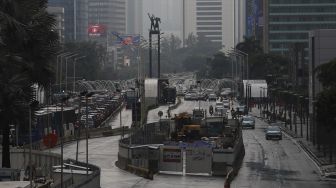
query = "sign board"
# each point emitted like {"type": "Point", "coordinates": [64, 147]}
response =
{"type": "Point", "coordinates": [198, 160]}
{"type": "Point", "coordinates": [171, 159]}
{"type": "Point", "coordinates": [171, 155]}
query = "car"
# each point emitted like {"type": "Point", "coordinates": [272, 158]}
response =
{"type": "Point", "coordinates": [242, 110]}
{"type": "Point", "coordinates": [273, 132]}
{"type": "Point", "coordinates": [187, 96]}
{"type": "Point", "coordinates": [212, 97]}
{"type": "Point", "coordinates": [219, 105]}
{"type": "Point", "coordinates": [248, 121]}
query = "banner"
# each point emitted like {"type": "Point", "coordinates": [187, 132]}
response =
{"type": "Point", "coordinates": [126, 39]}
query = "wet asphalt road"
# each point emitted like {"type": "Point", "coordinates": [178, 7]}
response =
{"type": "Point", "coordinates": [273, 163]}
{"type": "Point", "coordinates": [267, 163]}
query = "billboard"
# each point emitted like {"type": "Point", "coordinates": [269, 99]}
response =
{"type": "Point", "coordinates": [96, 30]}
{"type": "Point", "coordinates": [126, 39]}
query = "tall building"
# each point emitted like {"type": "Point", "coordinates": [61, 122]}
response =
{"type": "Point", "coordinates": [222, 21]}
{"type": "Point", "coordinates": [109, 13]}
{"type": "Point", "coordinates": [58, 12]}
{"type": "Point", "coordinates": [75, 18]}
{"type": "Point", "coordinates": [254, 19]}
{"type": "Point", "coordinates": [110, 17]}
{"type": "Point", "coordinates": [289, 21]}
{"type": "Point", "coordinates": [134, 17]}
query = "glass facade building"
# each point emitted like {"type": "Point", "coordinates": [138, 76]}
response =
{"type": "Point", "coordinates": [289, 22]}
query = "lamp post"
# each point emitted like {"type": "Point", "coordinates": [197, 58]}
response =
{"type": "Point", "coordinates": [199, 101]}
{"type": "Point", "coordinates": [57, 62]}
{"type": "Point", "coordinates": [32, 106]}
{"type": "Point", "coordinates": [307, 117]}
{"type": "Point", "coordinates": [74, 72]}
{"type": "Point", "coordinates": [64, 99]}
{"type": "Point", "coordinates": [246, 60]}
{"type": "Point", "coordinates": [66, 70]}
{"type": "Point", "coordinates": [87, 96]}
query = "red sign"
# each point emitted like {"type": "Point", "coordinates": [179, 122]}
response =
{"type": "Point", "coordinates": [96, 30]}
{"type": "Point", "coordinates": [50, 140]}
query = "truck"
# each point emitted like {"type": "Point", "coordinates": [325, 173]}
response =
{"type": "Point", "coordinates": [169, 95]}
{"type": "Point", "coordinates": [131, 98]}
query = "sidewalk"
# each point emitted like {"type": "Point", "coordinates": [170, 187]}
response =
{"type": "Point", "coordinates": [327, 170]}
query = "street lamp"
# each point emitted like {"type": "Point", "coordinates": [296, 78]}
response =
{"type": "Point", "coordinates": [87, 96]}
{"type": "Point", "coordinates": [247, 64]}
{"type": "Point", "coordinates": [74, 72]}
{"type": "Point", "coordinates": [63, 100]}
{"type": "Point", "coordinates": [57, 59]}
{"type": "Point", "coordinates": [66, 55]}
{"type": "Point", "coordinates": [66, 70]}
{"type": "Point", "coordinates": [32, 106]}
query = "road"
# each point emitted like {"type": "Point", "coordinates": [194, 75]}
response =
{"type": "Point", "coordinates": [266, 164]}
{"type": "Point", "coordinates": [271, 163]}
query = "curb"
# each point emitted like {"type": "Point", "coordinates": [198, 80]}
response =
{"type": "Point", "coordinates": [306, 150]}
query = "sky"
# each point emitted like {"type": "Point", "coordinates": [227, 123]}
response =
{"type": "Point", "coordinates": [170, 12]}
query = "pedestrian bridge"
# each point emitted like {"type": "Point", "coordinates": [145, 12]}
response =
{"type": "Point", "coordinates": [114, 85]}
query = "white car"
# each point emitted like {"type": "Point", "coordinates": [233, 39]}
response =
{"type": "Point", "coordinates": [273, 132]}
{"type": "Point", "coordinates": [212, 97]}
{"type": "Point", "coordinates": [248, 121]}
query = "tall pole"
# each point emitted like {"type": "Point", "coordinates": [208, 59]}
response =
{"type": "Point", "coordinates": [150, 54]}
{"type": "Point", "coordinates": [87, 137]}
{"type": "Point", "coordinates": [234, 23]}
{"type": "Point", "coordinates": [30, 151]}
{"type": "Point", "coordinates": [159, 66]}
{"type": "Point", "coordinates": [75, 20]}
{"type": "Point", "coordinates": [66, 74]}
{"type": "Point", "coordinates": [247, 66]}
{"type": "Point", "coordinates": [78, 128]}
{"type": "Point", "coordinates": [62, 136]}
{"type": "Point", "coordinates": [120, 121]}
{"type": "Point", "coordinates": [74, 76]}
{"type": "Point", "coordinates": [60, 78]}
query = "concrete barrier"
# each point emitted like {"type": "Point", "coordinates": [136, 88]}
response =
{"type": "Point", "coordinates": [46, 160]}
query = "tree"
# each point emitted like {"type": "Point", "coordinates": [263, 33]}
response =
{"type": "Point", "coordinates": [326, 106]}
{"type": "Point", "coordinates": [326, 74]}
{"type": "Point", "coordinates": [219, 66]}
{"type": "Point", "coordinates": [27, 45]}
{"type": "Point", "coordinates": [191, 40]}
{"type": "Point", "coordinates": [250, 46]}
{"type": "Point", "coordinates": [90, 66]}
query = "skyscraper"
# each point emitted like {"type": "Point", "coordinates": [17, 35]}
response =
{"type": "Point", "coordinates": [222, 21]}
{"type": "Point", "coordinates": [289, 22]}
{"type": "Point", "coordinates": [134, 17]}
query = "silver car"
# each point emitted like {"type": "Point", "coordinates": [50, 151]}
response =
{"type": "Point", "coordinates": [248, 121]}
{"type": "Point", "coordinates": [273, 132]}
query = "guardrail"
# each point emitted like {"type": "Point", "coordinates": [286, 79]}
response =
{"type": "Point", "coordinates": [44, 161]}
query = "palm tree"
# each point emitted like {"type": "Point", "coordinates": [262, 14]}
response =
{"type": "Point", "coordinates": [250, 45]}
{"type": "Point", "coordinates": [27, 44]}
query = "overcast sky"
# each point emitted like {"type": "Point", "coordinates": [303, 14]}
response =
{"type": "Point", "coordinates": [170, 12]}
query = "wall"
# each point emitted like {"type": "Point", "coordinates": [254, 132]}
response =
{"type": "Point", "coordinates": [322, 48]}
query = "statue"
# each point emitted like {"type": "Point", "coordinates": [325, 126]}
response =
{"type": "Point", "coordinates": [152, 19]}
{"type": "Point", "coordinates": [157, 21]}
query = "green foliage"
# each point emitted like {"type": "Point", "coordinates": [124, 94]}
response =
{"type": "Point", "coordinates": [326, 101]}
{"type": "Point", "coordinates": [219, 66]}
{"type": "Point", "coordinates": [250, 46]}
{"type": "Point", "coordinates": [326, 73]}
{"type": "Point", "coordinates": [326, 108]}
{"type": "Point", "coordinates": [89, 67]}
{"type": "Point", "coordinates": [27, 46]}
{"type": "Point", "coordinates": [261, 64]}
